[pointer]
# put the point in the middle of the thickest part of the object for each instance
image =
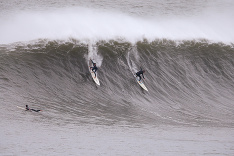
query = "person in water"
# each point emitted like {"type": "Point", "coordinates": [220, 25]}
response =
{"type": "Point", "coordinates": [94, 68]}
{"type": "Point", "coordinates": [28, 109]}
{"type": "Point", "coordinates": [138, 74]}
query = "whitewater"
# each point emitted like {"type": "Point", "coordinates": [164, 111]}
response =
{"type": "Point", "coordinates": [98, 24]}
{"type": "Point", "coordinates": [186, 48]}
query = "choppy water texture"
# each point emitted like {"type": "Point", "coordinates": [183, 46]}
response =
{"type": "Point", "coordinates": [186, 48]}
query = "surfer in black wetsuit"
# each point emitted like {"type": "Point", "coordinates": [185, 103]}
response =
{"type": "Point", "coordinates": [28, 109]}
{"type": "Point", "coordinates": [94, 68]}
{"type": "Point", "coordinates": [138, 74]}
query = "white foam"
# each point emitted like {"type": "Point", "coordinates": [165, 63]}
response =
{"type": "Point", "coordinates": [90, 24]}
{"type": "Point", "coordinates": [93, 54]}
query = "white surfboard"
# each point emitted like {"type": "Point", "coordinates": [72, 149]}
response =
{"type": "Point", "coordinates": [96, 80]}
{"type": "Point", "coordinates": [21, 108]}
{"type": "Point", "coordinates": [141, 83]}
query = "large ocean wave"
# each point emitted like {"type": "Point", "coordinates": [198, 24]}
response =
{"type": "Point", "coordinates": [190, 82]}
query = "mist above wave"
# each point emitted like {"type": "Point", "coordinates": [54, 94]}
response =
{"type": "Point", "coordinates": [92, 24]}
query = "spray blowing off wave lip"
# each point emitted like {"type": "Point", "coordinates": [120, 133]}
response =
{"type": "Point", "coordinates": [87, 24]}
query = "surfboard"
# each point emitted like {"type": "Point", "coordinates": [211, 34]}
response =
{"type": "Point", "coordinates": [140, 83]}
{"type": "Point", "coordinates": [29, 109]}
{"type": "Point", "coordinates": [21, 108]}
{"type": "Point", "coordinates": [96, 80]}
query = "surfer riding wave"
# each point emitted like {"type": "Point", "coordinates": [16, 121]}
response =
{"type": "Point", "coordinates": [138, 74]}
{"type": "Point", "coordinates": [94, 68]}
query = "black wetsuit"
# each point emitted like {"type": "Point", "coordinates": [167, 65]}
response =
{"type": "Point", "coordinates": [27, 109]}
{"type": "Point", "coordinates": [138, 74]}
{"type": "Point", "coordinates": [94, 68]}
{"type": "Point", "coordinates": [35, 110]}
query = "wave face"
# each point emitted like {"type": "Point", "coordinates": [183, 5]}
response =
{"type": "Point", "coordinates": [190, 83]}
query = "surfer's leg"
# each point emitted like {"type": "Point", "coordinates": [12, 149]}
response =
{"type": "Point", "coordinates": [35, 110]}
{"type": "Point", "coordinates": [139, 78]}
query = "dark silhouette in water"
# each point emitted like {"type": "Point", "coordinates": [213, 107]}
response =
{"type": "Point", "coordinates": [28, 109]}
